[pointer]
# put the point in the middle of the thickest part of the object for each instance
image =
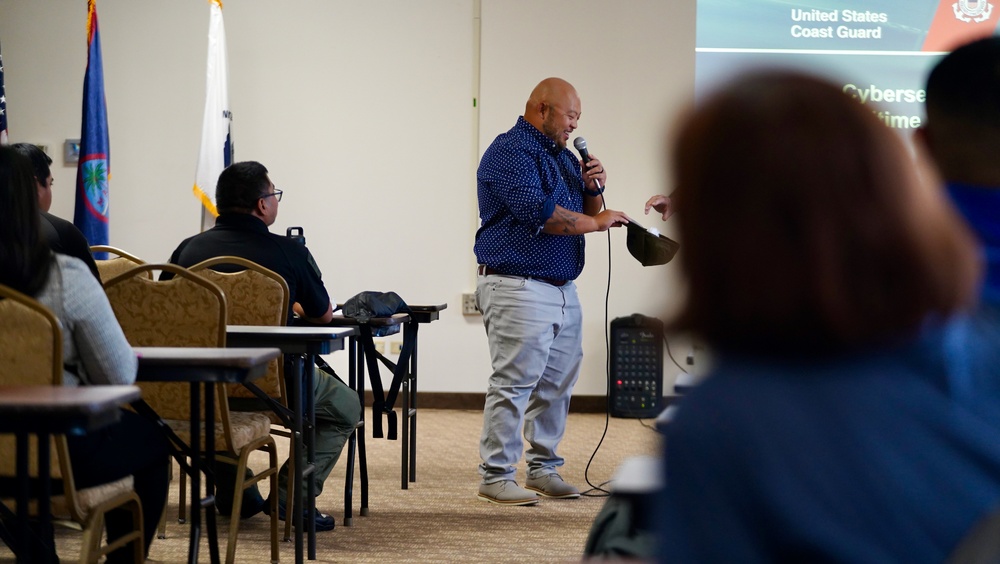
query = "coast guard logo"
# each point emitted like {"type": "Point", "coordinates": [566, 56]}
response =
{"type": "Point", "coordinates": [972, 10]}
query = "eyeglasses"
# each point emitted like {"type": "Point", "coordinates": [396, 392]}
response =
{"type": "Point", "coordinates": [277, 195]}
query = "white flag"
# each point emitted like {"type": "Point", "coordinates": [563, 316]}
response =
{"type": "Point", "coordinates": [216, 144]}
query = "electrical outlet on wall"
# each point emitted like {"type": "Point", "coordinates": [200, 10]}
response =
{"type": "Point", "coordinates": [697, 365]}
{"type": "Point", "coordinates": [469, 305]}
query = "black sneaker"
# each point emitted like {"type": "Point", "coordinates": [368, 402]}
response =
{"type": "Point", "coordinates": [323, 521]}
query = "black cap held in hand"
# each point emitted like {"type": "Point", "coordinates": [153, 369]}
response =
{"type": "Point", "coordinates": [649, 249]}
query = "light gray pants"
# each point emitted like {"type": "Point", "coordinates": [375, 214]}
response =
{"type": "Point", "coordinates": [535, 336]}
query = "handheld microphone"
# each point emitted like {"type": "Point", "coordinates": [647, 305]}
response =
{"type": "Point", "coordinates": [581, 145]}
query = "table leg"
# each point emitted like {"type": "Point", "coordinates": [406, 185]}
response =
{"type": "Point", "coordinates": [30, 540]}
{"type": "Point", "coordinates": [293, 507]}
{"type": "Point", "coordinates": [310, 405]}
{"type": "Point", "coordinates": [408, 462]}
{"type": "Point", "coordinates": [413, 406]}
{"type": "Point", "coordinates": [25, 550]}
{"type": "Point", "coordinates": [362, 454]}
{"type": "Point", "coordinates": [194, 537]}
{"type": "Point", "coordinates": [209, 502]}
{"type": "Point", "coordinates": [405, 456]}
{"type": "Point", "coordinates": [45, 531]}
{"type": "Point", "coordinates": [351, 443]}
{"type": "Point", "coordinates": [363, 462]}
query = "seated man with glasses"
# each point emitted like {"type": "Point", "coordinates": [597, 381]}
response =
{"type": "Point", "coordinates": [248, 204]}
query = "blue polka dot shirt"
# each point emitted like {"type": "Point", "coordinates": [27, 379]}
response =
{"type": "Point", "coordinates": [522, 177]}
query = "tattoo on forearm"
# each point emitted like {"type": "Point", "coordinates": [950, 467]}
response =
{"type": "Point", "coordinates": [567, 219]}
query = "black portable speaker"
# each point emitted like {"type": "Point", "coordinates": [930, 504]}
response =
{"type": "Point", "coordinates": [636, 366]}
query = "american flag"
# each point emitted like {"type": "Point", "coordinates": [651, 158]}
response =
{"type": "Point", "coordinates": [3, 107]}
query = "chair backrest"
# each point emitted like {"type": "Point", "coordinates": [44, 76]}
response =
{"type": "Point", "coordinates": [31, 354]}
{"type": "Point", "coordinates": [254, 296]}
{"type": "Point", "coordinates": [30, 341]}
{"type": "Point", "coordinates": [185, 311]}
{"type": "Point", "coordinates": [112, 266]}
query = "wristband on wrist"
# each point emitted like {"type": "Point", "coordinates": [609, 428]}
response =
{"type": "Point", "coordinates": [594, 193]}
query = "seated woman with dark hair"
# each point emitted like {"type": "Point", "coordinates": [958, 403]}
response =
{"type": "Point", "coordinates": [95, 352]}
{"type": "Point", "coordinates": [852, 414]}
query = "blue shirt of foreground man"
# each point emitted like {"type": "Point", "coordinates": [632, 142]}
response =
{"type": "Point", "coordinates": [853, 413]}
{"type": "Point", "coordinates": [535, 202]}
{"type": "Point", "coordinates": [248, 204]}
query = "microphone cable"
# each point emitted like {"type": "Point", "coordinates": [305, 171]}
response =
{"type": "Point", "coordinates": [598, 490]}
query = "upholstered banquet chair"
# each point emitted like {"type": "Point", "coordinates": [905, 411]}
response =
{"type": "Point", "coordinates": [31, 354]}
{"type": "Point", "coordinates": [118, 262]}
{"type": "Point", "coordinates": [190, 311]}
{"type": "Point", "coordinates": [255, 296]}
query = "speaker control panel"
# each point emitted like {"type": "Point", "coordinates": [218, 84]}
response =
{"type": "Point", "coordinates": [636, 366]}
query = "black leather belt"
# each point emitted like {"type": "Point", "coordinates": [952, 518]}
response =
{"type": "Point", "coordinates": [487, 271]}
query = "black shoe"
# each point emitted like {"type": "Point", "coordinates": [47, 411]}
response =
{"type": "Point", "coordinates": [225, 481]}
{"type": "Point", "coordinates": [323, 521]}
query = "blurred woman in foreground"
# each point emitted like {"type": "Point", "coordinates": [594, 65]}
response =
{"type": "Point", "coordinates": [851, 415]}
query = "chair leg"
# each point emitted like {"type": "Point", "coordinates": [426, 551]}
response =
{"type": "Point", "coordinates": [290, 494]}
{"type": "Point", "coordinates": [90, 545]}
{"type": "Point", "coordinates": [234, 516]}
{"type": "Point", "coordinates": [349, 479]}
{"type": "Point", "coordinates": [161, 532]}
{"type": "Point", "coordinates": [363, 470]}
{"type": "Point", "coordinates": [274, 503]}
{"type": "Point", "coordinates": [162, 528]}
{"type": "Point", "coordinates": [93, 531]}
{"type": "Point", "coordinates": [138, 548]}
{"type": "Point", "coordinates": [182, 504]}
{"type": "Point", "coordinates": [242, 484]}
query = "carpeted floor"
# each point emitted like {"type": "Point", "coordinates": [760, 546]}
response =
{"type": "Point", "coordinates": [439, 518]}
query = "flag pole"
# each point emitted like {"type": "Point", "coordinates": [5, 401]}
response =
{"type": "Point", "coordinates": [3, 107]}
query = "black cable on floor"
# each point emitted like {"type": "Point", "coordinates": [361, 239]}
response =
{"type": "Point", "coordinates": [607, 380]}
{"type": "Point", "coordinates": [599, 489]}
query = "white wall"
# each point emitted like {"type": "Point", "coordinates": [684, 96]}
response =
{"type": "Point", "coordinates": [363, 113]}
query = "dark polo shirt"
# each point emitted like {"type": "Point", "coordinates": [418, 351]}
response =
{"type": "Point", "coordinates": [246, 236]}
{"type": "Point", "coordinates": [64, 238]}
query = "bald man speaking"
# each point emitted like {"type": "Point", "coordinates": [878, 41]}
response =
{"type": "Point", "coordinates": [536, 202]}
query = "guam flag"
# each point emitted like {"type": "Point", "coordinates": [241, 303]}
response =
{"type": "Point", "coordinates": [93, 170]}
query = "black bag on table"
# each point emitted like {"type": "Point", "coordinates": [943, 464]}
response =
{"type": "Point", "coordinates": [363, 307]}
{"type": "Point", "coordinates": [366, 305]}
